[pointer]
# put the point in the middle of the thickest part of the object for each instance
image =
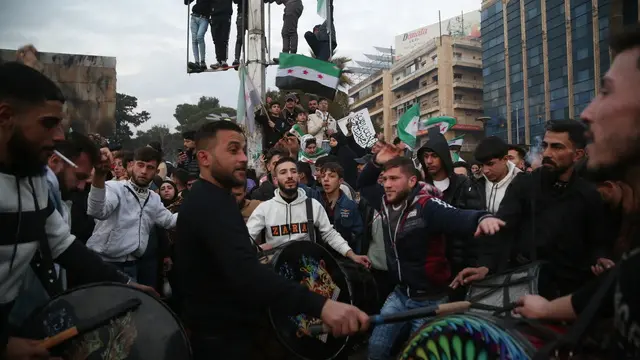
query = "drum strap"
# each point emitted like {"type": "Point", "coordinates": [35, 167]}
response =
{"type": "Point", "coordinates": [571, 338]}
{"type": "Point", "coordinates": [310, 226]}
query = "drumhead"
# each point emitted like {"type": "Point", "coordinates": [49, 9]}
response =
{"type": "Point", "coordinates": [309, 264]}
{"type": "Point", "coordinates": [151, 332]}
{"type": "Point", "coordinates": [467, 336]}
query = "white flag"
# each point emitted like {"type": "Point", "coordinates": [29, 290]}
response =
{"type": "Point", "coordinates": [248, 99]}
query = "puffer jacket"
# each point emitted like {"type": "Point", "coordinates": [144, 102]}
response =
{"type": "Point", "coordinates": [462, 193]}
{"type": "Point", "coordinates": [416, 248]}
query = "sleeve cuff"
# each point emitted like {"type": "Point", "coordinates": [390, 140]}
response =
{"type": "Point", "coordinates": [98, 191]}
{"type": "Point", "coordinates": [486, 216]}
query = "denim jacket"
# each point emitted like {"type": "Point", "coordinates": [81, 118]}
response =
{"type": "Point", "coordinates": [347, 220]}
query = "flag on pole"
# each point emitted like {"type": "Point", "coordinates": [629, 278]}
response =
{"type": "Point", "coordinates": [322, 9]}
{"type": "Point", "coordinates": [443, 122]}
{"type": "Point", "coordinates": [456, 141]}
{"type": "Point", "coordinates": [299, 72]}
{"type": "Point", "coordinates": [297, 131]}
{"type": "Point", "coordinates": [408, 126]}
{"type": "Point", "coordinates": [248, 99]}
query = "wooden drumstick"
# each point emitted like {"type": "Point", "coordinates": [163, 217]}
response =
{"type": "Point", "coordinates": [429, 311]}
{"type": "Point", "coordinates": [91, 324]}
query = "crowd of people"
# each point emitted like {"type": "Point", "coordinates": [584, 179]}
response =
{"type": "Point", "coordinates": [425, 229]}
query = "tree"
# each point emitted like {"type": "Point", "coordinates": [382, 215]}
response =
{"type": "Point", "coordinates": [191, 116]}
{"type": "Point", "coordinates": [169, 142]}
{"type": "Point", "coordinates": [126, 117]}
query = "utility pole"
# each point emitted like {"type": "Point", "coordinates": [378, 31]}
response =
{"type": "Point", "coordinates": [256, 45]}
{"type": "Point", "coordinates": [255, 52]}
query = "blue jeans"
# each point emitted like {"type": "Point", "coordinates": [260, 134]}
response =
{"type": "Point", "coordinates": [384, 337]}
{"type": "Point", "coordinates": [199, 27]}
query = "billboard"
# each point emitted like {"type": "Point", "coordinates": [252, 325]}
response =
{"type": "Point", "coordinates": [463, 25]}
{"type": "Point", "coordinates": [87, 82]}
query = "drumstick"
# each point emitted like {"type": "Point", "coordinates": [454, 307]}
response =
{"type": "Point", "coordinates": [91, 324]}
{"type": "Point", "coordinates": [429, 311]}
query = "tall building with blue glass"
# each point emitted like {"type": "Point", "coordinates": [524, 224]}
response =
{"type": "Point", "coordinates": [544, 60]}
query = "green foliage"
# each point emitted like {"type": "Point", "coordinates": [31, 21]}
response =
{"type": "Point", "coordinates": [169, 142]}
{"type": "Point", "coordinates": [190, 116]}
{"type": "Point", "coordinates": [127, 117]}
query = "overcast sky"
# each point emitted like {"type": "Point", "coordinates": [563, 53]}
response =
{"type": "Point", "coordinates": [148, 38]}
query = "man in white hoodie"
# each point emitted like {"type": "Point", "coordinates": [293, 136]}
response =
{"type": "Point", "coordinates": [497, 171]}
{"type": "Point", "coordinates": [126, 211]}
{"type": "Point", "coordinates": [284, 218]}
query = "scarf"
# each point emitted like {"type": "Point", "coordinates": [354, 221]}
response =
{"type": "Point", "coordinates": [141, 192]}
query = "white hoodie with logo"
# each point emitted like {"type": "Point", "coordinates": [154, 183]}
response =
{"type": "Point", "coordinates": [283, 222]}
{"type": "Point", "coordinates": [494, 192]}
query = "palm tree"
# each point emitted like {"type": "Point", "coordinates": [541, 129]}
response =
{"type": "Point", "coordinates": [341, 62]}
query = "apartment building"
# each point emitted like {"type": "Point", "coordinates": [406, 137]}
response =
{"type": "Point", "coordinates": [445, 77]}
{"type": "Point", "coordinates": [544, 59]}
{"type": "Point", "coordinates": [371, 94]}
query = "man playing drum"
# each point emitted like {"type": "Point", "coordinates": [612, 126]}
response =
{"type": "Point", "coordinates": [225, 287]}
{"type": "Point", "coordinates": [30, 124]}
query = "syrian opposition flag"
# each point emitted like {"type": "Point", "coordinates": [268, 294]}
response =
{"type": "Point", "coordinates": [408, 126]}
{"type": "Point", "coordinates": [311, 158]}
{"type": "Point", "coordinates": [443, 122]}
{"type": "Point", "coordinates": [299, 72]}
{"type": "Point", "coordinates": [456, 141]}
{"type": "Point", "coordinates": [248, 99]}
{"type": "Point", "coordinates": [297, 131]}
{"type": "Point", "coordinates": [322, 9]}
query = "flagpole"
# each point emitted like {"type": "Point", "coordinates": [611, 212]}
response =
{"type": "Point", "coordinates": [330, 27]}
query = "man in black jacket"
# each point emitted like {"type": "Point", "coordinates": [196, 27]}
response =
{"type": "Point", "coordinates": [225, 287]}
{"type": "Point", "coordinates": [242, 24]}
{"type": "Point", "coordinates": [552, 215]}
{"type": "Point", "coordinates": [458, 191]}
{"type": "Point", "coordinates": [415, 220]}
{"type": "Point", "coordinates": [273, 125]}
{"type": "Point", "coordinates": [220, 30]}
{"type": "Point", "coordinates": [318, 40]}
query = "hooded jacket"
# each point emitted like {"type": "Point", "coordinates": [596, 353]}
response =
{"type": "Point", "coordinates": [346, 158]}
{"type": "Point", "coordinates": [461, 193]}
{"type": "Point", "coordinates": [493, 193]}
{"type": "Point", "coordinates": [416, 248]}
{"type": "Point", "coordinates": [315, 128]}
{"type": "Point", "coordinates": [284, 222]}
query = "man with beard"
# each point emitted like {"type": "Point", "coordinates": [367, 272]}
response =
{"type": "Point", "coordinates": [265, 191]}
{"type": "Point", "coordinates": [312, 105]}
{"type": "Point", "coordinates": [613, 117]}
{"type": "Point", "coordinates": [415, 220]}
{"type": "Point", "coordinates": [225, 287]}
{"type": "Point", "coordinates": [125, 212]}
{"type": "Point", "coordinates": [245, 205]}
{"type": "Point", "coordinates": [552, 215]}
{"type": "Point", "coordinates": [284, 218]}
{"type": "Point", "coordinates": [31, 112]}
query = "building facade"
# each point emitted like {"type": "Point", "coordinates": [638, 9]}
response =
{"type": "Point", "coordinates": [87, 82]}
{"type": "Point", "coordinates": [544, 60]}
{"type": "Point", "coordinates": [444, 76]}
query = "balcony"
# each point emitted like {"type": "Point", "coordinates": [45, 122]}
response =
{"type": "Point", "coordinates": [360, 102]}
{"type": "Point", "coordinates": [468, 84]}
{"type": "Point", "coordinates": [469, 105]}
{"type": "Point", "coordinates": [428, 109]}
{"type": "Point", "coordinates": [376, 109]}
{"type": "Point", "coordinates": [471, 44]}
{"type": "Point", "coordinates": [415, 75]}
{"type": "Point", "coordinates": [416, 94]}
{"type": "Point", "coordinates": [468, 63]}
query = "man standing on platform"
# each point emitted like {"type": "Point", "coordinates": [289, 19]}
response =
{"type": "Point", "coordinates": [225, 287]}
{"type": "Point", "coordinates": [220, 28]}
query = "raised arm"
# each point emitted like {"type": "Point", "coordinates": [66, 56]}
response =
{"type": "Point", "coordinates": [103, 200]}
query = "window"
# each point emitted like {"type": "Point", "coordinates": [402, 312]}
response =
{"type": "Point", "coordinates": [457, 97]}
{"type": "Point", "coordinates": [582, 75]}
{"type": "Point", "coordinates": [582, 54]}
{"type": "Point", "coordinates": [457, 76]}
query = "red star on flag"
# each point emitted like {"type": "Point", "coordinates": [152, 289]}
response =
{"type": "Point", "coordinates": [290, 71]}
{"type": "Point", "coordinates": [305, 72]}
{"type": "Point", "coordinates": [320, 76]}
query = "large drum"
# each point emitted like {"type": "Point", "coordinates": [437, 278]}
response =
{"type": "Point", "coordinates": [312, 265]}
{"type": "Point", "coordinates": [474, 336]}
{"type": "Point", "coordinates": [151, 332]}
{"type": "Point", "coordinates": [503, 289]}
